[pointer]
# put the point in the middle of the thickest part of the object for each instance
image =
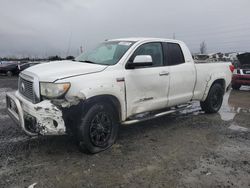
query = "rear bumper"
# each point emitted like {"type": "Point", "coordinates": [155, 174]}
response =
{"type": "Point", "coordinates": [241, 79]}
{"type": "Point", "coordinates": [43, 118]}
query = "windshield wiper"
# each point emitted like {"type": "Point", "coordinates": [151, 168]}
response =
{"type": "Point", "coordinates": [92, 62]}
{"type": "Point", "coordinates": [86, 61]}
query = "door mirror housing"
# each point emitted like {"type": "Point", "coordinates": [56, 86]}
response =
{"type": "Point", "coordinates": [143, 59]}
{"type": "Point", "coordinates": [140, 61]}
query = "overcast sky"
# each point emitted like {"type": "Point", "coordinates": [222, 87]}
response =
{"type": "Point", "coordinates": [48, 27]}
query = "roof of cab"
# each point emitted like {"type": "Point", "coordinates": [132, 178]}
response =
{"type": "Point", "coordinates": [142, 39]}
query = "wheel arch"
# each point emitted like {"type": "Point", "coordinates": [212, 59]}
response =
{"type": "Point", "coordinates": [110, 99]}
{"type": "Point", "coordinates": [220, 81]}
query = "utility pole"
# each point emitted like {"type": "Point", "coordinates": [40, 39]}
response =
{"type": "Point", "coordinates": [173, 35]}
{"type": "Point", "coordinates": [69, 44]}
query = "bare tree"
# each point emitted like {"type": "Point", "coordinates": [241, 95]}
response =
{"type": "Point", "coordinates": [203, 47]}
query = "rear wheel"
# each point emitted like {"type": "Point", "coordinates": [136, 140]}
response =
{"type": "Point", "coordinates": [98, 129]}
{"type": "Point", "coordinates": [236, 86]}
{"type": "Point", "coordinates": [214, 99]}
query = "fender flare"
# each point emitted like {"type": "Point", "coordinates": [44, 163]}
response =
{"type": "Point", "coordinates": [214, 78]}
{"type": "Point", "coordinates": [110, 99]}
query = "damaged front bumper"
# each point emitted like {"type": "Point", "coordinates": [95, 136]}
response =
{"type": "Point", "coordinates": [42, 118]}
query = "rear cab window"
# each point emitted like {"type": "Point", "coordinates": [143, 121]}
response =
{"type": "Point", "coordinates": [173, 54]}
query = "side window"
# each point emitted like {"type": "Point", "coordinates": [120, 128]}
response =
{"type": "Point", "coordinates": [173, 54]}
{"type": "Point", "coordinates": [154, 49]}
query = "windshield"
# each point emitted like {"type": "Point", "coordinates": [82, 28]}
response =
{"type": "Point", "coordinates": [107, 53]}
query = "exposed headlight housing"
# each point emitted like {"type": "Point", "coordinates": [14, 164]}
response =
{"type": "Point", "coordinates": [53, 90]}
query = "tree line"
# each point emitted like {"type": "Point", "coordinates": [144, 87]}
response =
{"type": "Point", "coordinates": [50, 58]}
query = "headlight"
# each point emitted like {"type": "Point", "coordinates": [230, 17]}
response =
{"type": "Point", "coordinates": [53, 90]}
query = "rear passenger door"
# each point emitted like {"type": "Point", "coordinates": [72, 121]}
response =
{"type": "Point", "coordinates": [182, 75]}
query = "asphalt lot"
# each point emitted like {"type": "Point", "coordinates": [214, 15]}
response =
{"type": "Point", "coordinates": [187, 149]}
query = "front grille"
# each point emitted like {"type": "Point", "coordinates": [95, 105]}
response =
{"type": "Point", "coordinates": [25, 87]}
{"type": "Point", "coordinates": [246, 71]}
{"type": "Point", "coordinates": [243, 78]}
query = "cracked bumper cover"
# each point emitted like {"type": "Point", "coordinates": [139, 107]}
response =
{"type": "Point", "coordinates": [42, 118]}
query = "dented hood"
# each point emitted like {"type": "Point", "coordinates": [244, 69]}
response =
{"type": "Point", "coordinates": [52, 71]}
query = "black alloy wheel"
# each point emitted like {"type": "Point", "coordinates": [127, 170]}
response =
{"type": "Point", "coordinates": [214, 100]}
{"type": "Point", "coordinates": [100, 129]}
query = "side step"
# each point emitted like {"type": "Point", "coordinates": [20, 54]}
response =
{"type": "Point", "coordinates": [153, 116]}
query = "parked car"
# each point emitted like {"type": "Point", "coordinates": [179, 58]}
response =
{"type": "Point", "coordinates": [241, 75]}
{"type": "Point", "coordinates": [122, 81]}
{"type": "Point", "coordinates": [11, 68]}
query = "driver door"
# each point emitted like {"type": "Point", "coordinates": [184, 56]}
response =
{"type": "Point", "coordinates": [147, 87]}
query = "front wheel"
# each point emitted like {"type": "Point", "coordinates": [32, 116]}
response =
{"type": "Point", "coordinates": [9, 73]}
{"type": "Point", "coordinates": [98, 129]}
{"type": "Point", "coordinates": [214, 99]}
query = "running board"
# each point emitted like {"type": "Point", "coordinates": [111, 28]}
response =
{"type": "Point", "coordinates": [128, 122]}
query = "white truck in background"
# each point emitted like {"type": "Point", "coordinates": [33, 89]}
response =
{"type": "Point", "coordinates": [121, 81]}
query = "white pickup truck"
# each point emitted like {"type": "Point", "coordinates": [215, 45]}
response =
{"type": "Point", "coordinates": [121, 81]}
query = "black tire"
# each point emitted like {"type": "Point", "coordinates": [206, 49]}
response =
{"type": "Point", "coordinates": [9, 73]}
{"type": "Point", "coordinates": [98, 129]}
{"type": "Point", "coordinates": [214, 99]}
{"type": "Point", "coordinates": [236, 86]}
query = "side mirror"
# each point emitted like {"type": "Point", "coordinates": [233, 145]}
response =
{"type": "Point", "coordinates": [140, 61]}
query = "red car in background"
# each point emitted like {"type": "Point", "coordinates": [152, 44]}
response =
{"type": "Point", "coordinates": [241, 75]}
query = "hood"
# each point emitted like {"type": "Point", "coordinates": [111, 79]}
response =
{"type": "Point", "coordinates": [52, 71]}
{"type": "Point", "coordinates": [244, 59]}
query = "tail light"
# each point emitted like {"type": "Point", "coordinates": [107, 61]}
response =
{"type": "Point", "coordinates": [231, 67]}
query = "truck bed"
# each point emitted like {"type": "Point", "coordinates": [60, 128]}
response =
{"type": "Point", "coordinates": [205, 72]}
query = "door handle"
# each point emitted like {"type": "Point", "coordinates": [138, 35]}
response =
{"type": "Point", "coordinates": [164, 73]}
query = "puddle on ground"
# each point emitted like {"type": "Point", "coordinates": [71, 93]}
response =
{"type": "Point", "coordinates": [195, 109]}
{"type": "Point", "coordinates": [238, 128]}
{"type": "Point", "coordinates": [234, 102]}
{"type": "Point", "coordinates": [227, 111]}
{"type": "Point", "coordinates": [245, 88]}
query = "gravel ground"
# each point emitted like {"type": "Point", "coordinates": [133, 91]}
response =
{"type": "Point", "coordinates": [186, 149]}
